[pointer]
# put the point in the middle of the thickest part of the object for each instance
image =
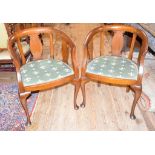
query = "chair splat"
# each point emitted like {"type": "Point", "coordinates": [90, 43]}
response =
{"type": "Point", "coordinates": [117, 43]}
{"type": "Point", "coordinates": [36, 46]}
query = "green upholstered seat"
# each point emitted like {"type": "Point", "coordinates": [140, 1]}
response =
{"type": "Point", "coordinates": [114, 67]}
{"type": "Point", "coordinates": [42, 71]}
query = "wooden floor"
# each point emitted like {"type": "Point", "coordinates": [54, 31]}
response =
{"type": "Point", "coordinates": [107, 108]}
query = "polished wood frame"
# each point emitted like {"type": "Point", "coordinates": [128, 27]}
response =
{"type": "Point", "coordinates": [36, 49]}
{"type": "Point", "coordinates": [118, 31]}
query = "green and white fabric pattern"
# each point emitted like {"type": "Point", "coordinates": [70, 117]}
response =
{"type": "Point", "coordinates": [42, 71]}
{"type": "Point", "coordinates": [114, 67]}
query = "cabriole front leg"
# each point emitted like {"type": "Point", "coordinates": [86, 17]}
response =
{"type": "Point", "coordinates": [76, 90]}
{"type": "Point", "coordinates": [23, 97]}
{"type": "Point", "coordinates": [137, 90]}
{"type": "Point", "coordinates": [83, 82]}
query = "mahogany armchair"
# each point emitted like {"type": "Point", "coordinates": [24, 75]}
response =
{"type": "Point", "coordinates": [115, 67]}
{"type": "Point", "coordinates": [6, 30]}
{"type": "Point", "coordinates": [44, 73]}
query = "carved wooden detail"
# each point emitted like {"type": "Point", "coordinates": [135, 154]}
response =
{"type": "Point", "coordinates": [117, 43]}
{"type": "Point", "coordinates": [35, 46]}
{"type": "Point", "coordinates": [10, 28]}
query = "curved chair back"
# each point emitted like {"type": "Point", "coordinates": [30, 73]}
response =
{"type": "Point", "coordinates": [36, 47]}
{"type": "Point", "coordinates": [118, 33]}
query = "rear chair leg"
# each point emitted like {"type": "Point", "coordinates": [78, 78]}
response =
{"type": "Point", "coordinates": [23, 97]}
{"type": "Point", "coordinates": [137, 90]}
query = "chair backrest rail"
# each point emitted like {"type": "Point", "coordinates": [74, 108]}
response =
{"type": "Point", "coordinates": [118, 33]}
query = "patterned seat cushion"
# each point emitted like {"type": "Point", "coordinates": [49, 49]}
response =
{"type": "Point", "coordinates": [42, 71]}
{"type": "Point", "coordinates": [114, 67]}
